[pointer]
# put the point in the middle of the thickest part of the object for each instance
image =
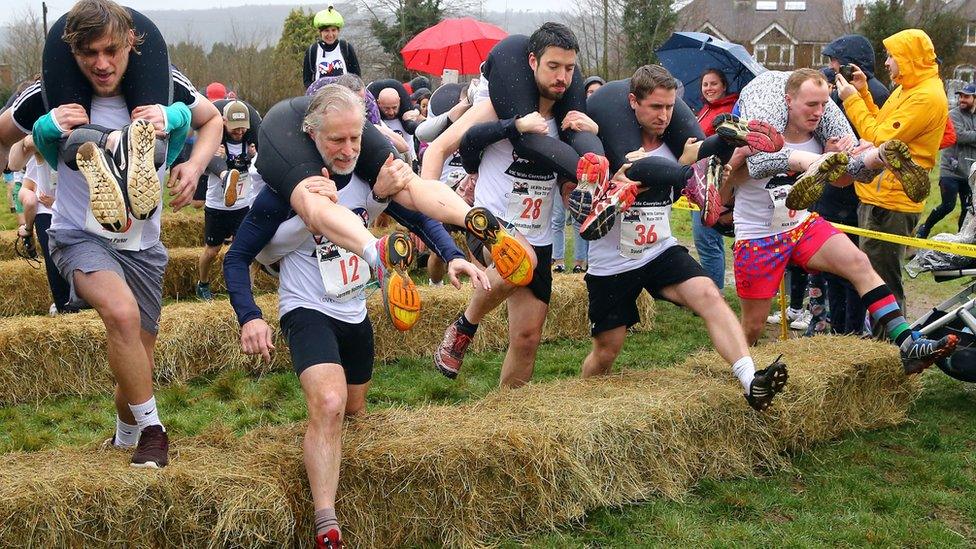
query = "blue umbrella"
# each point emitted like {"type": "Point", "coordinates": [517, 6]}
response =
{"type": "Point", "coordinates": [688, 54]}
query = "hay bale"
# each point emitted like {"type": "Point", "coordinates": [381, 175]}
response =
{"type": "Point", "coordinates": [840, 383]}
{"type": "Point", "coordinates": [44, 356]}
{"type": "Point", "coordinates": [179, 230]}
{"type": "Point", "coordinates": [513, 464]}
{"type": "Point", "coordinates": [26, 291]}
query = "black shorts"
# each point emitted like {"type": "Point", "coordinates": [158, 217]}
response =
{"type": "Point", "coordinates": [220, 225]}
{"type": "Point", "coordinates": [613, 298]}
{"type": "Point", "coordinates": [541, 285]}
{"type": "Point", "coordinates": [316, 338]}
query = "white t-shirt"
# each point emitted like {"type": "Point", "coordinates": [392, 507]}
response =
{"type": "Point", "coordinates": [760, 205]}
{"type": "Point", "coordinates": [639, 235]}
{"type": "Point", "coordinates": [518, 191]}
{"type": "Point", "coordinates": [45, 180]}
{"type": "Point", "coordinates": [316, 274]}
{"type": "Point", "coordinates": [329, 63]}
{"type": "Point", "coordinates": [72, 210]}
{"type": "Point", "coordinates": [215, 190]}
{"type": "Point", "coordinates": [453, 171]}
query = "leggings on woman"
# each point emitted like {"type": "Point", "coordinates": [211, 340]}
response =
{"type": "Point", "coordinates": [949, 187]}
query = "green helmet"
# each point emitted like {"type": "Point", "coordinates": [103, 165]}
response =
{"type": "Point", "coordinates": [328, 18]}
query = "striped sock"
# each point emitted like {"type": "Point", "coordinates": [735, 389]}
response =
{"type": "Point", "coordinates": [325, 520]}
{"type": "Point", "coordinates": [886, 312]}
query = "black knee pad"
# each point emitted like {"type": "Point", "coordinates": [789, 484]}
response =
{"type": "Point", "coordinates": [147, 80]}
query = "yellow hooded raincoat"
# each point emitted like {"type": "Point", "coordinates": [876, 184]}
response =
{"type": "Point", "coordinates": [916, 113]}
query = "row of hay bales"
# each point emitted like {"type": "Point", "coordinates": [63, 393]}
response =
{"type": "Point", "coordinates": [43, 357]}
{"type": "Point", "coordinates": [179, 230]}
{"type": "Point", "coordinates": [26, 291]}
{"type": "Point", "coordinates": [511, 465]}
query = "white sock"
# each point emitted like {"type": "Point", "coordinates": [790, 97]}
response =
{"type": "Point", "coordinates": [371, 254]}
{"type": "Point", "coordinates": [125, 435]}
{"type": "Point", "coordinates": [745, 370]}
{"type": "Point", "coordinates": [146, 414]}
{"type": "Point", "coordinates": [438, 283]}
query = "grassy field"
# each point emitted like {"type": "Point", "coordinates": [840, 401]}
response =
{"type": "Point", "coordinates": [914, 485]}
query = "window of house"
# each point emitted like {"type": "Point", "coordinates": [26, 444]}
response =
{"type": "Point", "coordinates": [818, 59]}
{"type": "Point", "coordinates": [795, 6]}
{"type": "Point", "coordinates": [774, 55]}
{"type": "Point", "coordinates": [971, 33]}
{"type": "Point", "coordinates": [765, 5]}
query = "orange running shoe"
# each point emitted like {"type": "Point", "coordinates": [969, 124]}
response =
{"type": "Point", "coordinates": [509, 256]}
{"type": "Point", "coordinates": [400, 296]}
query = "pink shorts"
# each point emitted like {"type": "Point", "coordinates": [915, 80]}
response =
{"type": "Point", "coordinates": [761, 262]}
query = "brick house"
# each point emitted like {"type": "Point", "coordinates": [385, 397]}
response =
{"type": "Point", "coordinates": [780, 34]}
{"type": "Point", "coordinates": [965, 68]}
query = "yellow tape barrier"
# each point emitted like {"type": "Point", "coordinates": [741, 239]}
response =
{"type": "Point", "coordinates": [958, 248]}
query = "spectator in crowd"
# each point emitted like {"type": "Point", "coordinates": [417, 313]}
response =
{"type": "Point", "coordinates": [915, 113]}
{"type": "Point", "coordinates": [956, 162]}
{"type": "Point", "coordinates": [592, 84]}
{"type": "Point", "coordinates": [329, 55]}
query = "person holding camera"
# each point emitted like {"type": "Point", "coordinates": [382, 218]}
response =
{"type": "Point", "coordinates": [956, 162]}
{"type": "Point", "coordinates": [855, 50]}
{"type": "Point", "coordinates": [226, 201]}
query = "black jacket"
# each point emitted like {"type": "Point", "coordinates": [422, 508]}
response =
{"type": "Point", "coordinates": [309, 74]}
{"type": "Point", "coordinates": [854, 48]}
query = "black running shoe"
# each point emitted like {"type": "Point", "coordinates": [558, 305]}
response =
{"type": "Point", "coordinates": [153, 449]}
{"type": "Point", "coordinates": [136, 161]}
{"type": "Point", "coordinates": [766, 384]}
{"type": "Point", "coordinates": [922, 352]}
{"type": "Point", "coordinates": [104, 188]}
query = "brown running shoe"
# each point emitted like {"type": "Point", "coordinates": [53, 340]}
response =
{"type": "Point", "coordinates": [450, 354]}
{"type": "Point", "coordinates": [153, 449]}
{"type": "Point", "coordinates": [914, 178]}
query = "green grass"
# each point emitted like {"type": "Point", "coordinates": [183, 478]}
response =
{"type": "Point", "coordinates": [914, 485]}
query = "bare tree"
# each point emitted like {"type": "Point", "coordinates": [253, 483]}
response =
{"type": "Point", "coordinates": [23, 46]}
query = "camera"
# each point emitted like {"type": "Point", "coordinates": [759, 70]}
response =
{"type": "Point", "coordinates": [847, 71]}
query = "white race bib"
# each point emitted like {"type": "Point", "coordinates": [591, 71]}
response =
{"type": "Point", "coordinates": [130, 240]}
{"type": "Point", "coordinates": [529, 206]}
{"type": "Point", "coordinates": [784, 219]}
{"type": "Point", "coordinates": [641, 228]}
{"type": "Point", "coordinates": [344, 274]}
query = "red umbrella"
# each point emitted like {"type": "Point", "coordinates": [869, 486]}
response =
{"type": "Point", "coordinates": [460, 44]}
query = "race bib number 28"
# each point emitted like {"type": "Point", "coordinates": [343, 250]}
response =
{"type": "Point", "coordinates": [530, 206]}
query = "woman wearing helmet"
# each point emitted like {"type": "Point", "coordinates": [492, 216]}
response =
{"type": "Point", "coordinates": [329, 55]}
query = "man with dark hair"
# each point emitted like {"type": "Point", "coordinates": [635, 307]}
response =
{"type": "Point", "coordinates": [105, 224]}
{"type": "Point", "coordinates": [638, 252]}
{"type": "Point", "coordinates": [520, 193]}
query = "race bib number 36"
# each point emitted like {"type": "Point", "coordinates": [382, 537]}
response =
{"type": "Point", "coordinates": [530, 206]}
{"type": "Point", "coordinates": [344, 274]}
{"type": "Point", "coordinates": [641, 228]}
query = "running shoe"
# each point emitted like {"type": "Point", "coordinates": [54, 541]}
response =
{"type": "Point", "coordinates": [923, 352]}
{"type": "Point", "coordinates": [329, 540]}
{"type": "Point", "coordinates": [450, 354]}
{"type": "Point", "coordinates": [203, 291]}
{"type": "Point", "coordinates": [767, 383]}
{"type": "Point", "coordinates": [510, 258]}
{"type": "Point", "coordinates": [702, 191]}
{"type": "Point", "coordinates": [229, 181]}
{"type": "Point", "coordinates": [559, 268]}
{"type": "Point", "coordinates": [810, 185]}
{"type": "Point", "coordinates": [803, 321]}
{"type": "Point", "coordinates": [748, 133]}
{"type": "Point", "coordinates": [104, 188]}
{"type": "Point", "coordinates": [400, 295]}
{"type": "Point", "coordinates": [898, 160]}
{"type": "Point", "coordinates": [791, 315]}
{"type": "Point", "coordinates": [592, 176]}
{"type": "Point", "coordinates": [152, 452]}
{"type": "Point", "coordinates": [618, 198]}
{"type": "Point", "coordinates": [578, 269]}
{"type": "Point", "coordinates": [136, 159]}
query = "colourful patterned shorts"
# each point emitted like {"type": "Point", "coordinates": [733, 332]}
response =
{"type": "Point", "coordinates": [761, 262]}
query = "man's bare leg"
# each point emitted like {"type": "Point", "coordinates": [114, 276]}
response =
{"type": "Point", "coordinates": [606, 348]}
{"type": "Point", "coordinates": [524, 337]}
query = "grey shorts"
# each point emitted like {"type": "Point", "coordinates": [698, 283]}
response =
{"type": "Point", "coordinates": [142, 271]}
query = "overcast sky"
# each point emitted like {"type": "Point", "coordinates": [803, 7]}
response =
{"type": "Point", "coordinates": [56, 8]}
